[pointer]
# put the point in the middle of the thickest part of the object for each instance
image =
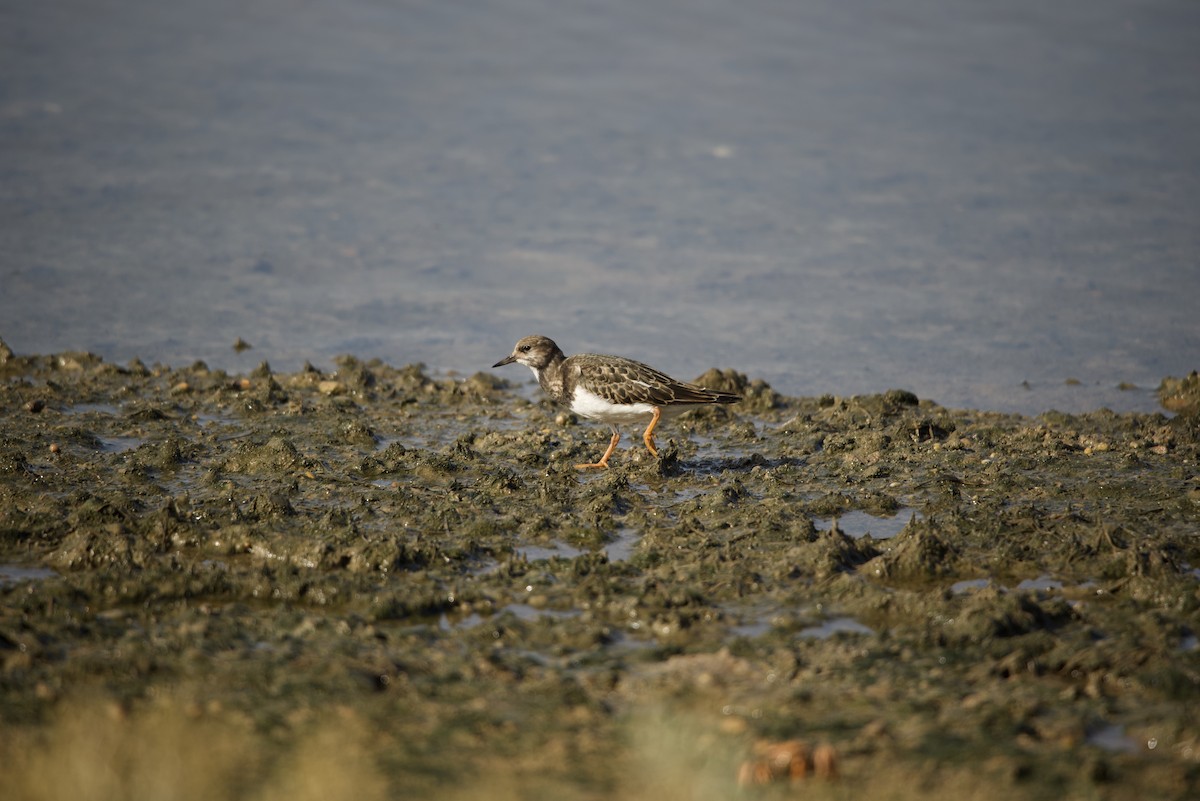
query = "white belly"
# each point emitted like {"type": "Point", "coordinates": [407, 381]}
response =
{"type": "Point", "coordinates": [592, 406]}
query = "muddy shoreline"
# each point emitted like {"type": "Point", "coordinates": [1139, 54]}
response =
{"type": "Point", "coordinates": [377, 583]}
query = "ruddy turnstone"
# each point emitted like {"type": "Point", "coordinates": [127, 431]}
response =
{"type": "Point", "coordinates": [611, 389]}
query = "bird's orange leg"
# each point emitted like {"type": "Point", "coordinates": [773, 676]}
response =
{"type": "Point", "coordinates": [612, 446]}
{"type": "Point", "coordinates": [648, 437]}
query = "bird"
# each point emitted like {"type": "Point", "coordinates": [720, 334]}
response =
{"type": "Point", "coordinates": [610, 389]}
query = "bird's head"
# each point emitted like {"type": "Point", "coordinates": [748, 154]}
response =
{"type": "Point", "coordinates": [536, 351]}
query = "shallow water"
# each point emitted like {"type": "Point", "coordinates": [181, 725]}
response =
{"type": "Point", "coordinates": [13, 574]}
{"type": "Point", "coordinates": [856, 523]}
{"type": "Point", "coordinates": [991, 206]}
{"type": "Point", "coordinates": [835, 626]}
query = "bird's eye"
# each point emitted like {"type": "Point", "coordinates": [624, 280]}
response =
{"type": "Point", "coordinates": [524, 349]}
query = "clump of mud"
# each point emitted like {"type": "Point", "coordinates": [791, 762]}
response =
{"type": "Point", "coordinates": [1181, 395]}
{"type": "Point", "coordinates": [408, 571]}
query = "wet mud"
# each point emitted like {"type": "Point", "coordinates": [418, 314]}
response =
{"type": "Point", "coordinates": [369, 581]}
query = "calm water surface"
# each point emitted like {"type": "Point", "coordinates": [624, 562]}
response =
{"type": "Point", "coordinates": [975, 201]}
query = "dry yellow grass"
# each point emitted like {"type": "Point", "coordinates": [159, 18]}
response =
{"type": "Point", "coordinates": [176, 751]}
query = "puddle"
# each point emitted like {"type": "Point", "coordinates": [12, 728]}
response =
{"type": "Point", "coordinates": [756, 623]}
{"type": "Point", "coordinates": [1113, 738]}
{"type": "Point", "coordinates": [717, 454]}
{"type": "Point", "coordinates": [520, 611]}
{"type": "Point", "coordinates": [837, 625]}
{"type": "Point", "coordinates": [469, 622]}
{"type": "Point", "coordinates": [758, 619]}
{"type": "Point", "coordinates": [89, 408]}
{"type": "Point", "coordinates": [120, 444]}
{"type": "Point", "coordinates": [536, 553]}
{"type": "Point", "coordinates": [1040, 583]}
{"type": "Point", "coordinates": [530, 553]}
{"type": "Point", "coordinates": [750, 630]}
{"type": "Point", "coordinates": [1043, 583]}
{"type": "Point", "coordinates": [15, 574]}
{"type": "Point", "coordinates": [686, 494]}
{"type": "Point", "coordinates": [531, 613]}
{"type": "Point", "coordinates": [856, 523]}
{"type": "Point", "coordinates": [620, 641]}
{"type": "Point", "coordinates": [390, 483]}
{"type": "Point", "coordinates": [620, 549]}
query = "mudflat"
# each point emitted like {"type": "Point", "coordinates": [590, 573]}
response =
{"type": "Point", "coordinates": [372, 582]}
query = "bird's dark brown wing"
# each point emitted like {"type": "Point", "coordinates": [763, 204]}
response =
{"type": "Point", "coordinates": [621, 380]}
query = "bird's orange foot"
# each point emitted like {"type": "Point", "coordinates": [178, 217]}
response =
{"type": "Point", "coordinates": [612, 446]}
{"type": "Point", "coordinates": [589, 466]}
{"type": "Point", "coordinates": [648, 437]}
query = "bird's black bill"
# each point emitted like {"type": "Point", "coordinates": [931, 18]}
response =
{"type": "Point", "coordinates": [504, 361]}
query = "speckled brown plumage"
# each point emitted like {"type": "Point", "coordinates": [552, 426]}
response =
{"type": "Point", "coordinates": [624, 381]}
{"type": "Point", "coordinates": [611, 389]}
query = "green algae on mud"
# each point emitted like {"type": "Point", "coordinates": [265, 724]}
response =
{"type": "Point", "coordinates": [406, 575]}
